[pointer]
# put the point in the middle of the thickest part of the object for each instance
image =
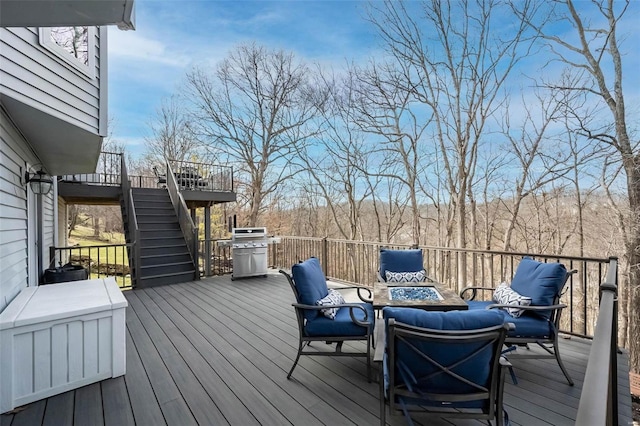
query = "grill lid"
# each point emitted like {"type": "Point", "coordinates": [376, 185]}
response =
{"type": "Point", "coordinates": [249, 232]}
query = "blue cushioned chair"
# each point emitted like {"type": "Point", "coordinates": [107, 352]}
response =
{"type": "Point", "coordinates": [539, 323]}
{"type": "Point", "coordinates": [409, 260]}
{"type": "Point", "coordinates": [353, 321]}
{"type": "Point", "coordinates": [444, 363]}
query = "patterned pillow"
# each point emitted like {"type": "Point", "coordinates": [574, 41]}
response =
{"type": "Point", "coordinates": [333, 298]}
{"type": "Point", "coordinates": [504, 295]}
{"type": "Point", "coordinates": [406, 277]}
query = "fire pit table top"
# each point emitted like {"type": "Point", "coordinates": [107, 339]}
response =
{"type": "Point", "coordinates": [429, 296]}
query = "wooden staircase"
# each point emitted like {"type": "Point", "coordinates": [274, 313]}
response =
{"type": "Point", "coordinates": [164, 256]}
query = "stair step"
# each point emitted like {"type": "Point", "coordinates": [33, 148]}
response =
{"type": "Point", "coordinates": [142, 206]}
{"type": "Point", "coordinates": [152, 199]}
{"type": "Point", "coordinates": [160, 233]}
{"type": "Point", "coordinates": [150, 191]}
{"type": "Point", "coordinates": [165, 250]}
{"type": "Point", "coordinates": [164, 279]}
{"type": "Point", "coordinates": [167, 268]}
{"type": "Point", "coordinates": [158, 226]}
{"type": "Point", "coordinates": [156, 218]}
{"type": "Point", "coordinates": [156, 213]}
{"type": "Point", "coordinates": [161, 241]}
{"type": "Point", "coordinates": [161, 259]}
{"type": "Point", "coordinates": [166, 210]}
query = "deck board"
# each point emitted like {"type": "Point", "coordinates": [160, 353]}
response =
{"type": "Point", "coordinates": [216, 352]}
{"type": "Point", "coordinates": [88, 405]}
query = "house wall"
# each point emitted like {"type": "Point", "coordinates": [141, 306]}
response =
{"type": "Point", "coordinates": [15, 157]}
{"type": "Point", "coordinates": [32, 74]}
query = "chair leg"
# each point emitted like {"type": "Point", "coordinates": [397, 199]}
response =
{"type": "Point", "coordinates": [300, 346]}
{"type": "Point", "coordinates": [499, 403]}
{"type": "Point", "coordinates": [556, 352]}
{"type": "Point", "coordinates": [369, 358]}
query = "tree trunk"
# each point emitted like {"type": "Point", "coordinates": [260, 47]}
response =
{"type": "Point", "coordinates": [96, 226]}
{"type": "Point", "coordinates": [632, 166]}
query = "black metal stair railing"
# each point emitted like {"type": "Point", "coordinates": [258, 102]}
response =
{"type": "Point", "coordinates": [132, 230]}
{"type": "Point", "coordinates": [187, 226]}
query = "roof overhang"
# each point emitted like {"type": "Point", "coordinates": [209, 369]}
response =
{"type": "Point", "coordinates": [62, 147]}
{"type": "Point", "coordinates": [67, 13]}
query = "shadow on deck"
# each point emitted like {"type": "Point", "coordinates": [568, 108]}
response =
{"type": "Point", "coordinates": [216, 352]}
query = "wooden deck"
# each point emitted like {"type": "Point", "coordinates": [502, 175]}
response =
{"type": "Point", "coordinates": [216, 352]}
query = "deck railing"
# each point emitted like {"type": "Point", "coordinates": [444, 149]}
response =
{"type": "Point", "coordinates": [598, 403]}
{"type": "Point", "coordinates": [202, 177]}
{"type": "Point", "coordinates": [357, 262]}
{"type": "Point", "coordinates": [109, 260]}
{"type": "Point", "coordinates": [132, 223]}
{"type": "Point", "coordinates": [219, 263]}
{"type": "Point", "coordinates": [108, 172]}
{"type": "Point", "coordinates": [189, 175]}
{"type": "Point", "coordinates": [184, 218]}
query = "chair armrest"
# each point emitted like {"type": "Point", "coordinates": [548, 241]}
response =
{"type": "Point", "coordinates": [319, 307]}
{"type": "Point", "coordinates": [474, 291]}
{"type": "Point", "coordinates": [527, 308]}
{"type": "Point", "coordinates": [378, 355]}
{"type": "Point", "coordinates": [351, 307]}
{"type": "Point", "coordinates": [367, 299]}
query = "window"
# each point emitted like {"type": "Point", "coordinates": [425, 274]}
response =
{"type": "Point", "coordinates": [75, 45]}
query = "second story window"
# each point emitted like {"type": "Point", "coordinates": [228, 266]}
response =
{"type": "Point", "coordinates": [75, 45]}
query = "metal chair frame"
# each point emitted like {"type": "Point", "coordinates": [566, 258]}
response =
{"type": "Point", "coordinates": [305, 341]}
{"type": "Point", "coordinates": [398, 391]}
{"type": "Point", "coordinates": [549, 344]}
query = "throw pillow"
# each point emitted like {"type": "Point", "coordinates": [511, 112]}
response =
{"type": "Point", "coordinates": [333, 298]}
{"type": "Point", "coordinates": [406, 277]}
{"type": "Point", "coordinates": [504, 295]}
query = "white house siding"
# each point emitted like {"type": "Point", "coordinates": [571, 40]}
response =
{"type": "Point", "coordinates": [35, 76]}
{"type": "Point", "coordinates": [13, 214]}
{"type": "Point", "coordinates": [14, 262]}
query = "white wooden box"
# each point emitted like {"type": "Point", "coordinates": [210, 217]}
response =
{"type": "Point", "coordinates": [59, 337]}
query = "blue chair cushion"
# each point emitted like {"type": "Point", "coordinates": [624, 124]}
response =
{"type": "Point", "coordinates": [341, 325]}
{"type": "Point", "coordinates": [539, 281]}
{"type": "Point", "coordinates": [530, 326]}
{"type": "Point", "coordinates": [400, 261]}
{"type": "Point", "coordinates": [527, 325]}
{"type": "Point", "coordinates": [476, 369]}
{"type": "Point", "coordinates": [310, 283]}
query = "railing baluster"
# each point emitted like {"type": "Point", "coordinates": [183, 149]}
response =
{"type": "Point", "coordinates": [357, 262]}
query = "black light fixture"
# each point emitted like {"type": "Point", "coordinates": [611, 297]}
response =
{"type": "Point", "coordinates": [40, 182]}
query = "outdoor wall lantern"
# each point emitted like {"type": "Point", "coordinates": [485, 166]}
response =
{"type": "Point", "coordinates": [39, 181]}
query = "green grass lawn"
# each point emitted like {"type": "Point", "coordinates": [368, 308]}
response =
{"type": "Point", "coordinates": [103, 260]}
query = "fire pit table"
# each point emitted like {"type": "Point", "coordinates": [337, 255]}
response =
{"type": "Point", "coordinates": [429, 296]}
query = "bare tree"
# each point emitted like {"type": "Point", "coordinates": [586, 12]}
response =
{"type": "Point", "coordinates": [538, 160]}
{"type": "Point", "coordinates": [74, 40]}
{"type": "Point", "coordinates": [592, 52]}
{"type": "Point", "coordinates": [458, 63]}
{"type": "Point", "coordinates": [338, 161]}
{"type": "Point", "coordinates": [385, 110]}
{"type": "Point", "coordinates": [172, 137]}
{"type": "Point", "coordinates": [257, 109]}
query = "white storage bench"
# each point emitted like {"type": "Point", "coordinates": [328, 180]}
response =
{"type": "Point", "coordinates": [59, 337]}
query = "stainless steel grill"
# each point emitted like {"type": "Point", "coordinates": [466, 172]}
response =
{"type": "Point", "coordinates": [249, 251]}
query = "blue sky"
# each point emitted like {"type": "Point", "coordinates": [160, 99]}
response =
{"type": "Point", "coordinates": [149, 64]}
{"type": "Point", "coordinates": [172, 36]}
